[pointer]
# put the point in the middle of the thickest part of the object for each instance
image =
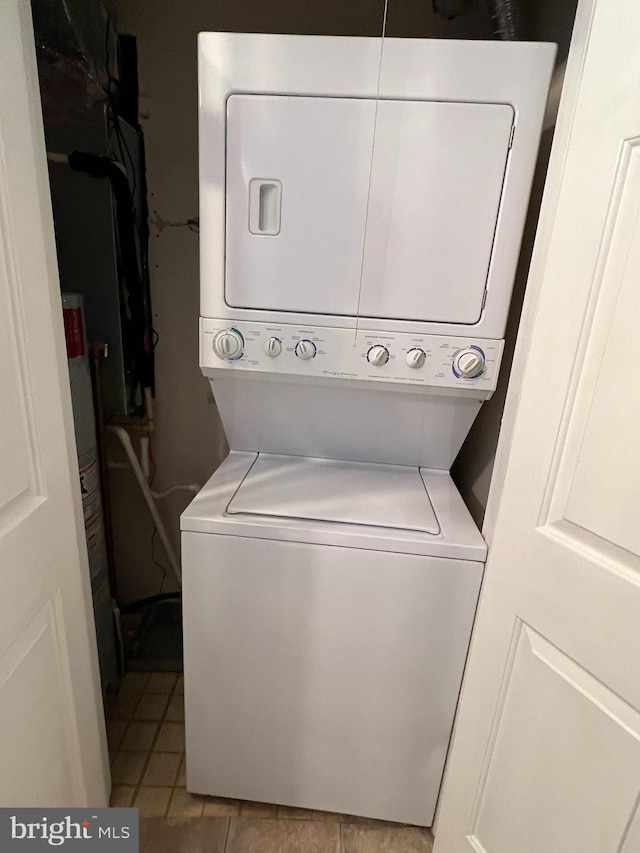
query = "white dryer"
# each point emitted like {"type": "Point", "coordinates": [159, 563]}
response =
{"type": "Point", "coordinates": [361, 216]}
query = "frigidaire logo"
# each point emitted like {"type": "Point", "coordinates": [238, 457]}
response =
{"type": "Point", "coordinates": [74, 829]}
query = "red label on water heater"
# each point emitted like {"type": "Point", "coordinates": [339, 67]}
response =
{"type": "Point", "coordinates": [73, 332]}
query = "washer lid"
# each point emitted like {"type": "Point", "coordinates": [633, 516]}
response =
{"type": "Point", "coordinates": [391, 496]}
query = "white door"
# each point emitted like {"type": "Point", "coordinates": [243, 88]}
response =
{"type": "Point", "coordinates": [52, 742]}
{"type": "Point", "coordinates": [546, 753]}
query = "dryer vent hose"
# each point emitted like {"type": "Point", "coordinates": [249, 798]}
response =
{"type": "Point", "coordinates": [505, 15]}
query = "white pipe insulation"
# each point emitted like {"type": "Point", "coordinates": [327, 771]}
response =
{"type": "Point", "coordinates": [190, 487]}
{"type": "Point", "coordinates": [145, 457]}
{"type": "Point", "coordinates": [125, 440]}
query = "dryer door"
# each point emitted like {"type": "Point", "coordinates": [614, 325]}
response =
{"type": "Point", "coordinates": [298, 177]}
{"type": "Point", "coordinates": [436, 187]}
{"type": "Point", "coordinates": [296, 247]}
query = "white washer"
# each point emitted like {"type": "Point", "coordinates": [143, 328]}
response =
{"type": "Point", "coordinates": [328, 608]}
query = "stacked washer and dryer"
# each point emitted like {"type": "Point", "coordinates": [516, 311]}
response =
{"type": "Point", "coordinates": [362, 206]}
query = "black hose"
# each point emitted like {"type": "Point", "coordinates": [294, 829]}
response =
{"type": "Point", "coordinates": [505, 15]}
{"type": "Point", "coordinates": [141, 603]}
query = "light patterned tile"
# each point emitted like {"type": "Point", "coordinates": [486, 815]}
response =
{"type": "Point", "coordinates": [171, 738]}
{"type": "Point", "coordinates": [127, 768]}
{"type": "Point", "coordinates": [372, 822]}
{"type": "Point", "coordinates": [121, 796]}
{"type": "Point", "coordinates": [259, 810]}
{"type": "Point", "coordinates": [206, 835]}
{"type": "Point", "coordinates": [283, 836]}
{"type": "Point", "coordinates": [152, 802]}
{"type": "Point", "coordinates": [288, 813]}
{"type": "Point", "coordinates": [386, 838]}
{"type": "Point", "coordinates": [135, 681]}
{"type": "Point", "coordinates": [139, 737]}
{"type": "Point", "coordinates": [151, 707]}
{"type": "Point", "coordinates": [184, 804]}
{"type": "Point", "coordinates": [219, 807]}
{"type": "Point", "coordinates": [162, 769]}
{"type": "Point", "coordinates": [121, 707]}
{"type": "Point", "coordinates": [175, 710]}
{"type": "Point", "coordinates": [115, 733]}
{"type": "Point", "coordinates": [161, 682]}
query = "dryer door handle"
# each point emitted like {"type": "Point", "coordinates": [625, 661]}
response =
{"type": "Point", "coordinates": [265, 206]}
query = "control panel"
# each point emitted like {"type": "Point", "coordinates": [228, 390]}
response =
{"type": "Point", "coordinates": [341, 354]}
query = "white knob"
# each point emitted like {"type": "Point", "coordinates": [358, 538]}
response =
{"type": "Point", "coordinates": [228, 344]}
{"type": "Point", "coordinates": [415, 357]}
{"type": "Point", "coordinates": [468, 363]}
{"type": "Point", "coordinates": [378, 355]}
{"type": "Point", "coordinates": [273, 347]}
{"type": "Point", "coordinates": [305, 349]}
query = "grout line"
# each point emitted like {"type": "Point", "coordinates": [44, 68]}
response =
{"type": "Point", "coordinates": [159, 724]}
{"type": "Point", "coordinates": [226, 837]}
{"type": "Point", "coordinates": [112, 758]}
{"type": "Point", "coordinates": [126, 730]}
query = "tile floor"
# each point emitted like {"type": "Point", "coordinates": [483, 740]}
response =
{"type": "Point", "coordinates": [145, 729]}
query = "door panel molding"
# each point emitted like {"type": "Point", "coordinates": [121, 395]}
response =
{"type": "Point", "coordinates": [39, 651]}
{"type": "Point", "coordinates": [593, 547]}
{"type": "Point", "coordinates": [20, 455]}
{"type": "Point", "coordinates": [532, 740]}
{"type": "Point", "coordinates": [602, 295]}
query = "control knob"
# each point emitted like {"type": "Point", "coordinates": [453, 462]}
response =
{"type": "Point", "coordinates": [273, 347]}
{"type": "Point", "coordinates": [305, 349]}
{"type": "Point", "coordinates": [378, 355]}
{"type": "Point", "coordinates": [469, 362]}
{"type": "Point", "coordinates": [415, 357]}
{"type": "Point", "coordinates": [228, 344]}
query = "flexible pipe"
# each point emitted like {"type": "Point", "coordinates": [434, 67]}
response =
{"type": "Point", "coordinates": [125, 440]}
{"type": "Point", "coordinates": [192, 487]}
{"type": "Point", "coordinates": [56, 157]}
{"type": "Point", "coordinates": [505, 15]}
{"type": "Point", "coordinates": [189, 487]}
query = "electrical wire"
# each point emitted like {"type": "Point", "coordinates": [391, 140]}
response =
{"type": "Point", "coordinates": [125, 154]}
{"type": "Point", "coordinates": [153, 462]}
{"type": "Point", "coordinates": [157, 562]}
{"type": "Point", "coordinates": [115, 118]}
{"type": "Point", "coordinates": [155, 529]}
